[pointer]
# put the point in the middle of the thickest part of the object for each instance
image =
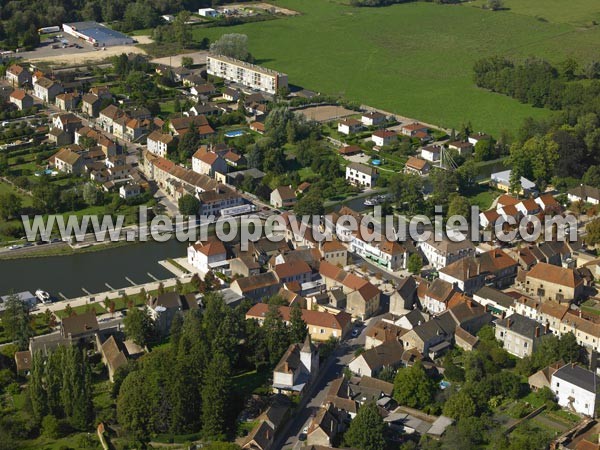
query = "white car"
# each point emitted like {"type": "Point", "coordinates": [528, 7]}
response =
{"type": "Point", "coordinates": [355, 332]}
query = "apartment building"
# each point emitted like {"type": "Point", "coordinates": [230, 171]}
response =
{"type": "Point", "coordinates": [250, 75]}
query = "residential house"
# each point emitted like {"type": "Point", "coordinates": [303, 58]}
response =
{"type": "Point", "coordinates": [46, 89]}
{"type": "Point", "coordinates": [219, 200]}
{"type": "Point", "coordinates": [296, 369]}
{"type": "Point", "coordinates": [478, 137]}
{"type": "Point", "coordinates": [108, 116]}
{"type": "Point", "coordinates": [577, 389]}
{"type": "Point", "coordinates": [431, 153]}
{"type": "Point", "coordinates": [231, 95]}
{"type": "Point", "coordinates": [495, 302]}
{"type": "Point", "coordinates": [550, 282]}
{"type": "Point", "coordinates": [59, 137]}
{"type": "Point", "coordinates": [324, 427]}
{"type": "Point", "coordinates": [67, 101]}
{"type": "Point", "coordinates": [205, 256]}
{"type": "Point", "coordinates": [68, 161]}
{"type": "Point", "coordinates": [349, 150]}
{"type": "Point", "coordinates": [501, 180]}
{"type": "Point", "coordinates": [283, 197]}
{"type": "Point", "coordinates": [412, 129]}
{"type": "Point", "coordinates": [519, 335]}
{"type": "Point", "coordinates": [492, 268]}
{"type": "Point", "coordinates": [321, 325]}
{"type": "Point", "coordinates": [349, 126]}
{"type": "Point", "coordinates": [116, 352]}
{"type": "Point", "coordinates": [334, 252]}
{"type": "Point", "coordinates": [203, 91]}
{"type": "Point", "coordinates": [158, 143]}
{"type": "Point", "coordinates": [384, 137]}
{"type": "Point", "coordinates": [372, 361]}
{"type": "Point", "coordinates": [373, 118]}
{"type": "Point", "coordinates": [404, 296]}
{"type": "Point", "coordinates": [584, 193]}
{"type": "Point", "coordinates": [21, 99]}
{"type": "Point", "coordinates": [258, 127]}
{"type": "Point", "coordinates": [438, 296]}
{"type": "Point", "coordinates": [256, 287]}
{"type": "Point", "coordinates": [417, 166]}
{"type": "Point", "coordinates": [361, 175]}
{"type": "Point", "coordinates": [17, 75]}
{"type": "Point", "coordinates": [288, 272]}
{"type": "Point", "coordinates": [208, 162]}
{"type": "Point", "coordinates": [362, 297]}
{"type": "Point", "coordinates": [234, 159]}
{"type": "Point", "coordinates": [67, 122]}
{"type": "Point", "coordinates": [129, 190]}
{"type": "Point", "coordinates": [431, 337]}
{"type": "Point", "coordinates": [441, 251]}
{"type": "Point", "coordinates": [164, 307]}
{"type": "Point", "coordinates": [543, 377]}
{"type": "Point", "coordinates": [79, 327]}
{"type": "Point", "coordinates": [244, 266]}
{"type": "Point", "coordinates": [382, 332]}
{"type": "Point", "coordinates": [90, 105]}
{"type": "Point", "coordinates": [464, 148]}
{"type": "Point", "coordinates": [412, 319]}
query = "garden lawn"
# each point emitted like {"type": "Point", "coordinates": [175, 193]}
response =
{"type": "Point", "coordinates": [413, 59]}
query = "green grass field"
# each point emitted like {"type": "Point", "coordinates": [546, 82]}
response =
{"type": "Point", "coordinates": [416, 59]}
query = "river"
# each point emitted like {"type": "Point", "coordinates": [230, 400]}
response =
{"type": "Point", "coordinates": [90, 271]}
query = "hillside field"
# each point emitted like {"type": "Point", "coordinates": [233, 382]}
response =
{"type": "Point", "coordinates": [416, 59]}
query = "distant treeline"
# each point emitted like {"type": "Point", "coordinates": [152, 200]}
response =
{"type": "Point", "coordinates": [20, 20]}
{"type": "Point", "coordinates": [391, 2]}
{"type": "Point", "coordinates": [538, 82]}
{"type": "Point", "coordinates": [562, 149]}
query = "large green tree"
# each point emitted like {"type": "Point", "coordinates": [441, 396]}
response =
{"type": "Point", "coordinates": [215, 397]}
{"type": "Point", "coordinates": [413, 387]}
{"type": "Point", "coordinates": [138, 326]}
{"type": "Point", "coordinates": [17, 322]}
{"type": "Point", "coordinates": [367, 429]}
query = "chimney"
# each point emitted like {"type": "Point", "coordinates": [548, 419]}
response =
{"type": "Point", "coordinates": [580, 313]}
{"type": "Point", "coordinates": [547, 328]}
{"type": "Point", "coordinates": [537, 332]}
{"type": "Point", "coordinates": [503, 315]}
{"type": "Point", "coordinates": [508, 322]}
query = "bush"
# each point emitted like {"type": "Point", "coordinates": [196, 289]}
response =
{"type": "Point", "coordinates": [51, 427]}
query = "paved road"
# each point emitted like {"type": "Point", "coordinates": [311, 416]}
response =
{"type": "Point", "coordinates": [342, 357]}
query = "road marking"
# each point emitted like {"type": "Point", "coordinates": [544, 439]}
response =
{"type": "Point", "coordinates": [152, 276]}
{"type": "Point", "coordinates": [129, 279]}
{"type": "Point", "coordinates": [63, 296]}
{"type": "Point", "coordinates": [86, 291]}
{"type": "Point", "coordinates": [109, 286]}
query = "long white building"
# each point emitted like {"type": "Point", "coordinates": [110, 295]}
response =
{"type": "Point", "coordinates": [250, 75]}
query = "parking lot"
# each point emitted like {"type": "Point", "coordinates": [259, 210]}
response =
{"type": "Point", "coordinates": [71, 54]}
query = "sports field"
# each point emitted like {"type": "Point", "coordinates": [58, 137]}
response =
{"type": "Point", "coordinates": [416, 59]}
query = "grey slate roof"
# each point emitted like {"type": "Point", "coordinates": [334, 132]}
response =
{"type": "Point", "coordinates": [578, 376]}
{"type": "Point", "coordinates": [519, 324]}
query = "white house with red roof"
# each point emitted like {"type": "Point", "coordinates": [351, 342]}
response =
{"type": "Point", "coordinates": [205, 256]}
{"type": "Point", "coordinates": [384, 137]}
{"type": "Point", "coordinates": [207, 162]}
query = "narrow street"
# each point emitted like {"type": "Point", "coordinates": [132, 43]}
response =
{"type": "Point", "coordinates": [341, 358]}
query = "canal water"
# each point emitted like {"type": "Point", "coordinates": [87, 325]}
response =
{"type": "Point", "coordinates": [90, 271]}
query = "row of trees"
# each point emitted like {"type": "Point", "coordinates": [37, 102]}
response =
{"type": "Point", "coordinates": [187, 387]}
{"type": "Point", "coordinates": [61, 386]}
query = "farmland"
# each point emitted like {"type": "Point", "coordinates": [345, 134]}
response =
{"type": "Point", "coordinates": [416, 59]}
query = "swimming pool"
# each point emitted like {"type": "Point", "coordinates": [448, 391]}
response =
{"type": "Point", "coordinates": [234, 133]}
{"type": "Point", "coordinates": [376, 162]}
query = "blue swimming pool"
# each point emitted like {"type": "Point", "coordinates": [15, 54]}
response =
{"type": "Point", "coordinates": [234, 133]}
{"type": "Point", "coordinates": [376, 162]}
